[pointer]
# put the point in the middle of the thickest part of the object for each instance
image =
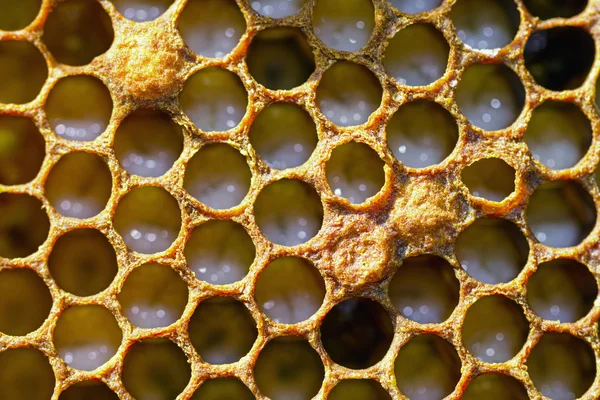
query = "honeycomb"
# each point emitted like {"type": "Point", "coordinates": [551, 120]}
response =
{"type": "Point", "coordinates": [288, 199]}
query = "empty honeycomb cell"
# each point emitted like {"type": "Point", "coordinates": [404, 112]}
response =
{"type": "Point", "coordinates": [284, 135]}
{"type": "Point", "coordinates": [559, 58]}
{"type": "Point", "coordinates": [427, 368]}
{"type": "Point", "coordinates": [17, 14]}
{"type": "Point", "coordinates": [288, 368]}
{"type": "Point", "coordinates": [357, 333]}
{"type": "Point", "coordinates": [211, 28]}
{"type": "Point", "coordinates": [148, 219]}
{"type": "Point", "coordinates": [222, 330]}
{"type": "Point", "coordinates": [155, 369]}
{"type": "Point", "coordinates": [560, 213]}
{"type": "Point", "coordinates": [492, 250]}
{"type": "Point", "coordinates": [546, 9]}
{"type": "Point", "coordinates": [562, 290]}
{"type": "Point", "coordinates": [289, 290]}
{"type": "Point", "coordinates": [25, 373]}
{"type": "Point", "coordinates": [83, 262]}
{"type": "Point", "coordinates": [495, 387]}
{"type": "Point", "coordinates": [223, 389]}
{"type": "Point", "coordinates": [495, 329]}
{"type": "Point", "coordinates": [358, 389]}
{"type": "Point", "coordinates": [79, 185]}
{"type": "Point", "coordinates": [148, 142]}
{"type": "Point", "coordinates": [220, 252]}
{"type": "Point", "coordinates": [88, 390]}
{"type": "Point", "coordinates": [86, 337]}
{"type": "Point", "coordinates": [561, 366]}
{"type": "Point", "coordinates": [489, 178]}
{"type": "Point", "coordinates": [344, 25]}
{"type": "Point", "coordinates": [277, 8]}
{"type": "Point", "coordinates": [422, 133]}
{"type": "Point", "coordinates": [87, 112]}
{"type": "Point", "coordinates": [348, 93]}
{"type": "Point", "coordinates": [24, 225]}
{"type": "Point", "coordinates": [485, 24]}
{"type": "Point", "coordinates": [415, 6]}
{"type": "Point", "coordinates": [25, 301]}
{"type": "Point", "coordinates": [142, 10]}
{"type": "Point", "coordinates": [491, 96]}
{"type": "Point", "coordinates": [280, 58]}
{"type": "Point", "coordinates": [355, 172]}
{"type": "Point", "coordinates": [424, 289]}
{"type": "Point", "coordinates": [153, 296]}
{"type": "Point", "coordinates": [558, 134]}
{"type": "Point", "coordinates": [77, 31]}
{"type": "Point", "coordinates": [417, 55]}
{"type": "Point", "coordinates": [218, 175]}
{"type": "Point", "coordinates": [289, 212]}
{"type": "Point", "coordinates": [214, 99]}
{"type": "Point", "coordinates": [23, 71]}
{"type": "Point", "coordinates": [21, 150]}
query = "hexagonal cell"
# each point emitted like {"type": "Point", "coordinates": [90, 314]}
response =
{"type": "Point", "coordinates": [88, 390]}
{"type": "Point", "coordinates": [218, 175]}
{"type": "Point", "coordinates": [495, 387]}
{"type": "Point", "coordinates": [562, 290]}
{"type": "Point", "coordinates": [211, 28]}
{"type": "Point", "coordinates": [491, 96]}
{"type": "Point", "coordinates": [355, 389]}
{"type": "Point", "coordinates": [214, 99]}
{"type": "Point", "coordinates": [348, 93]}
{"type": "Point", "coordinates": [425, 289]}
{"type": "Point", "coordinates": [422, 133]}
{"type": "Point", "coordinates": [24, 225]}
{"type": "Point", "coordinates": [83, 262]}
{"type": "Point", "coordinates": [220, 252]}
{"type": "Point", "coordinates": [561, 366]}
{"type": "Point", "coordinates": [277, 8]}
{"type": "Point", "coordinates": [560, 58]}
{"type": "Point", "coordinates": [561, 213]}
{"type": "Point", "coordinates": [25, 374]}
{"type": "Point", "coordinates": [289, 290]}
{"type": "Point", "coordinates": [142, 10]}
{"type": "Point", "coordinates": [344, 24]}
{"type": "Point", "coordinates": [153, 296]}
{"type": "Point", "coordinates": [79, 185]}
{"type": "Point", "coordinates": [489, 178]}
{"type": "Point", "coordinates": [87, 113]}
{"type": "Point", "coordinates": [558, 134]}
{"type": "Point", "coordinates": [280, 58]}
{"type": "Point", "coordinates": [427, 367]}
{"type": "Point", "coordinates": [155, 369]}
{"type": "Point", "coordinates": [17, 14]}
{"type": "Point", "coordinates": [495, 329]}
{"type": "Point", "coordinates": [223, 388]}
{"type": "Point", "coordinates": [288, 367]}
{"type": "Point", "coordinates": [546, 9]}
{"type": "Point", "coordinates": [148, 219]}
{"type": "Point", "coordinates": [86, 337]}
{"type": "Point", "coordinates": [492, 250]}
{"type": "Point", "coordinates": [25, 301]}
{"type": "Point", "coordinates": [289, 212]}
{"type": "Point", "coordinates": [417, 55]}
{"type": "Point", "coordinates": [284, 135]}
{"type": "Point", "coordinates": [77, 31]}
{"type": "Point", "coordinates": [357, 333]}
{"type": "Point", "coordinates": [355, 172]}
{"type": "Point", "coordinates": [22, 150]}
{"type": "Point", "coordinates": [148, 142]}
{"type": "Point", "coordinates": [415, 7]}
{"type": "Point", "coordinates": [23, 71]}
{"type": "Point", "coordinates": [485, 24]}
{"type": "Point", "coordinates": [222, 330]}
